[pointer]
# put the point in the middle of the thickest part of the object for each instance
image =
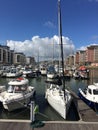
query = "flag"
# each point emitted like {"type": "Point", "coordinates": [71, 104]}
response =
{"type": "Point", "coordinates": [36, 109]}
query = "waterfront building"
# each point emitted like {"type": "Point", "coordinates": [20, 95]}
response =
{"type": "Point", "coordinates": [67, 60]}
{"type": "Point", "coordinates": [5, 55]}
{"type": "Point", "coordinates": [19, 58]}
{"type": "Point", "coordinates": [77, 58]}
{"type": "Point", "coordinates": [70, 60]}
{"type": "Point", "coordinates": [30, 60]}
{"type": "Point", "coordinates": [82, 57]}
{"type": "Point", "coordinates": [92, 54]}
{"type": "Point", "coordinates": [9, 57]}
{"type": "Point", "coordinates": [12, 57]}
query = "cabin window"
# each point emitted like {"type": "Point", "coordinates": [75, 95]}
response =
{"type": "Point", "coordinates": [17, 89]}
{"type": "Point", "coordinates": [23, 88]}
{"type": "Point", "coordinates": [89, 90]}
{"type": "Point", "coordinates": [10, 89]}
{"type": "Point", "coordinates": [95, 92]}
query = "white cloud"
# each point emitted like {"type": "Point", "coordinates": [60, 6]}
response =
{"type": "Point", "coordinates": [46, 47]}
{"type": "Point", "coordinates": [85, 47]}
{"type": "Point", "coordinates": [82, 48]}
{"type": "Point", "coordinates": [49, 24]}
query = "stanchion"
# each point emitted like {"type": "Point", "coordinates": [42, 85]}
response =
{"type": "Point", "coordinates": [33, 110]}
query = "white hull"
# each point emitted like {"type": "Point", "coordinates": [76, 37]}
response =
{"type": "Point", "coordinates": [18, 103]}
{"type": "Point", "coordinates": [17, 95]}
{"type": "Point", "coordinates": [9, 75]}
{"type": "Point", "coordinates": [50, 76]}
{"type": "Point", "coordinates": [43, 72]}
{"type": "Point", "coordinates": [58, 102]}
{"type": "Point", "coordinates": [27, 72]}
{"type": "Point", "coordinates": [13, 73]}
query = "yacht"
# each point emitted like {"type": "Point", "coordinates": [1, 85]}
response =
{"type": "Point", "coordinates": [58, 98]}
{"type": "Point", "coordinates": [27, 72]}
{"type": "Point", "coordinates": [51, 73]}
{"type": "Point", "coordinates": [43, 70]}
{"type": "Point", "coordinates": [13, 73]}
{"type": "Point", "coordinates": [17, 95]}
{"type": "Point", "coordinates": [56, 94]}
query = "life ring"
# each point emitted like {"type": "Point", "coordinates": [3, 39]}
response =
{"type": "Point", "coordinates": [19, 79]}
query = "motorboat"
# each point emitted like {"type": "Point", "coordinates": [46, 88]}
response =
{"type": "Point", "coordinates": [84, 74]}
{"type": "Point", "coordinates": [51, 75]}
{"type": "Point", "coordinates": [17, 95]}
{"type": "Point", "coordinates": [58, 97]}
{"type": "Point", "coordinates": [43, 70]}
{"type": "Point", "coordinates": [90, 95]}
{"type": "Point", "coordinates": [76, 75]}
{"type": "Point", "coordinates": [26, 72]}
{"type": "Point", "coordinates": [13, 73]}
{"type": "Point", "coordinates": [2, 88]}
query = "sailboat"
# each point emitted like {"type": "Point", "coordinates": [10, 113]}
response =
{"type": "Point", "coordinates": [57, 96]}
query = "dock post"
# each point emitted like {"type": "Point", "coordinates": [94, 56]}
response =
{"type": "Point", "coordinates": [32, 115]}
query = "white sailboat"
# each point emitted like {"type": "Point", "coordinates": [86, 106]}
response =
{"type": "Point", "coordinates": [51, 73]}
{"type": "Point", "coordinates": [56, 94]}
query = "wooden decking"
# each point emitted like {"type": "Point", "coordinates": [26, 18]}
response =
{"type": "Point", "coordinates": [55, 125]}
{"type": "Point", "coordinates": [84, 111]}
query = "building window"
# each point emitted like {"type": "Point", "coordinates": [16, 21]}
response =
{"type": "Point", "coordinates": [18, 58]}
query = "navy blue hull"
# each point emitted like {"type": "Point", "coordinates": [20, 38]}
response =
{"type": "Point", "coordinates": [93, 105]}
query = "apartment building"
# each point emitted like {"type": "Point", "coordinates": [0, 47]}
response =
{"type": "Point", "coordinates": [19, 58]}
{"type": "Point", "coordinates": [84, 57]}
{"type": "Point", "coordinates": [30, 60]}
{"type": "Point", "coordinates": [5, 55]}
{"type": "Point", "coordinates": [77, 58]}
{"type": "Point", "coordinates": [92, 54]}
{"type": "Point", "coordinates": [71, 60]}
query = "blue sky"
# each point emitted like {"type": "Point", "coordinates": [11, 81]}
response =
{"type": "Point", "coordinates": [21, 20]}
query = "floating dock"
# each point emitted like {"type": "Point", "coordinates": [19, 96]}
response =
{"type": "Point", "coordinates": [84, 111]}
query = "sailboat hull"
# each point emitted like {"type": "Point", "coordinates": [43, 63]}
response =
{"type": "Point", "coordinates": [58, 102]}
{"type": "Point", "coordinates": [57, 97]}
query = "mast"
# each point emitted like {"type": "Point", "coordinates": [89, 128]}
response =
{"type": "Point", "coordinates": [53, 54]}
{"type": "Point", "coordinates": [61, 41]}
{"type": "Point", "coordinates": [38, 58]}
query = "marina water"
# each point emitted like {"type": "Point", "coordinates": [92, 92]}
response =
{"type": "Point", "coordinates": [46, 112]}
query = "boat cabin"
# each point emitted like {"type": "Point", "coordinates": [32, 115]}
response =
{"type": "Point", "coordinates": [92, 90]}
{"type": "Point", "coordinates": [17, 88]}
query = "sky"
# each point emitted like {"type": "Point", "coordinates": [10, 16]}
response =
{"type": "Point", "coordinates": [31, 26]}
